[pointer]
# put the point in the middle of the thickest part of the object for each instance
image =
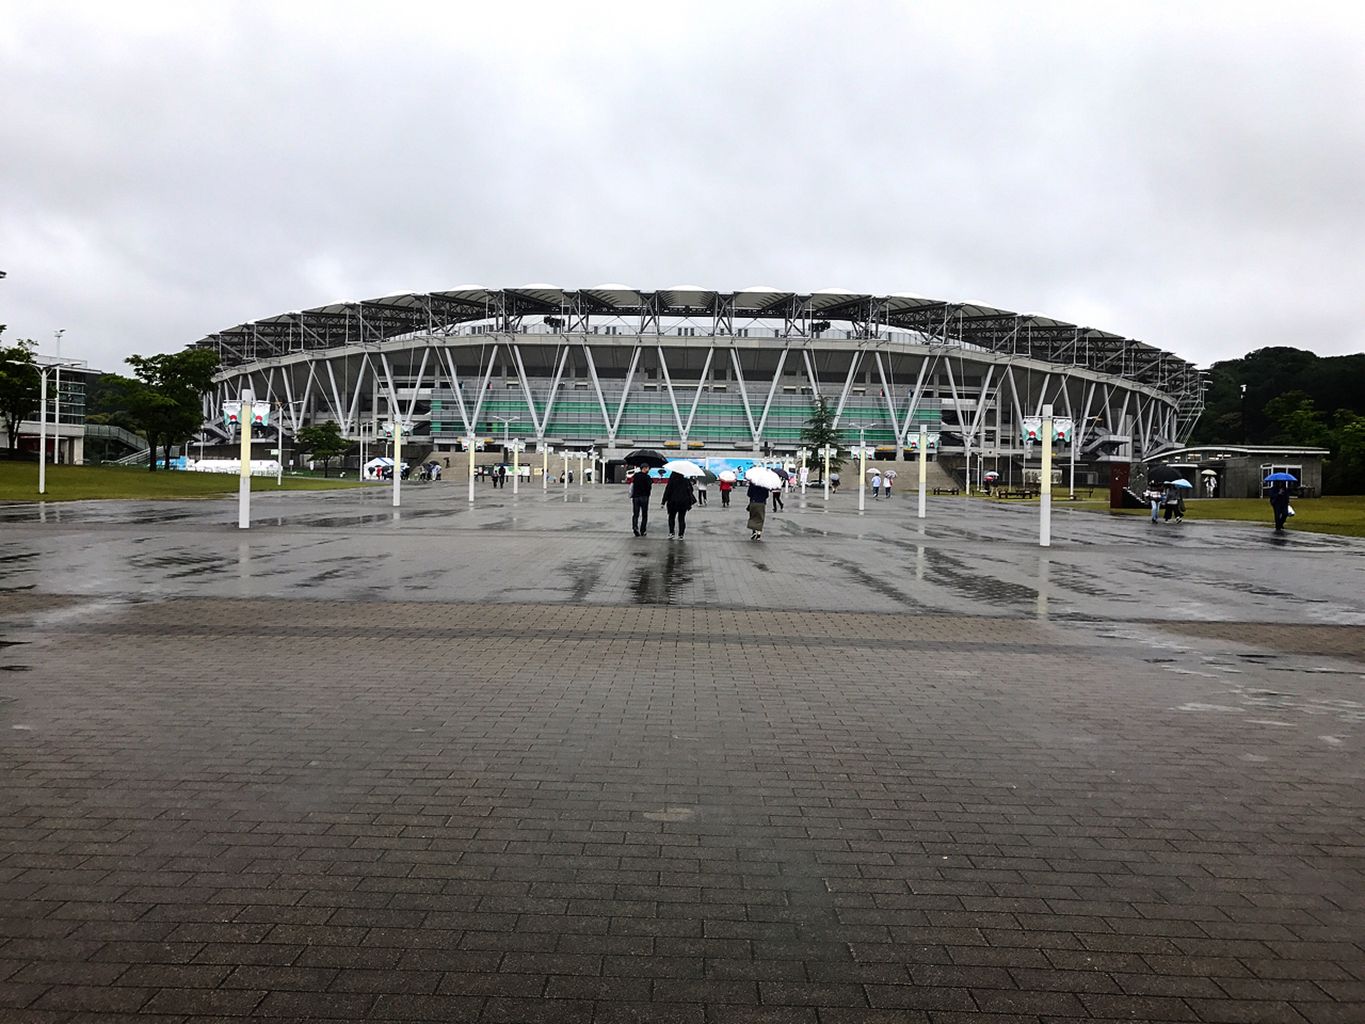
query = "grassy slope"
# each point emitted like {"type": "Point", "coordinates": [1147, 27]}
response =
{"type": "Point", "coordinates": [19, 482]}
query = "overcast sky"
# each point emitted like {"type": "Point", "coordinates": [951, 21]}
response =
{"type": "Point", "coordinates": [1188, 174]}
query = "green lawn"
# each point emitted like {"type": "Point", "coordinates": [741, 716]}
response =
{"type": "Point", "coordinates": [1342, 514]}
{"type": "Point", "coordinates": [19, 482]}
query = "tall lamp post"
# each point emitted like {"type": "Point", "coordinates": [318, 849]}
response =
{"type": "Point", "coordinates": [828, 451]}
{"type": "Point", "coordinates": [42, 422]}
{"type": "Point", "coordinates": [57, 418]}
{"type": "Point", "coordinates": [804, 455]}
{"type": "Point", "coordinates": [506, 422]}
{"type": "Point", "coordinates": [518, 446]}
{"type": "Point", "coordinates": [862, 463]}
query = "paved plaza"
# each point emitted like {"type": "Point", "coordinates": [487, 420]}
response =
{"type": "Point", "coordinates": [510, 763]}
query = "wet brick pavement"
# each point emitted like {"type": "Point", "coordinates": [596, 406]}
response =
{"type": "Point", "coordinates": [512, 764]}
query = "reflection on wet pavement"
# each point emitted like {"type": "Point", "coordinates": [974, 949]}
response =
{"type": "Point", "coordinates": [967, 557]}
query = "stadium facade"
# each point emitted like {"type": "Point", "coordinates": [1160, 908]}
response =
{"type": "Point", "coordinates": [714, 372]}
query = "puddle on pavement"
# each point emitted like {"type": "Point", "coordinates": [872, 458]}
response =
{"type": "Point", "coordinates": [665, 581]}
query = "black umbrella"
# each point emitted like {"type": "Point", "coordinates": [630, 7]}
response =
{"type": "Point", "coordinates": [645, 457]}
{"type": "Point", "coordinates": [1162, 474]}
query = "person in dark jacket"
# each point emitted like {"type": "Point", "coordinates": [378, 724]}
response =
{"type": "Point", "coordinates": [640, 485]}
{"type": "Point", "coordinates": [1279, 504]}
{"type": "Point", "coordinates": [678, 499]}
{"type": "Point", "coordinates": [758, 510]}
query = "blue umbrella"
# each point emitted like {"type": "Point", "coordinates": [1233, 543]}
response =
{"type": "Point", "coordinates": [1181, 484]}
{"type": "Point", "coordinates": [1282, 478]}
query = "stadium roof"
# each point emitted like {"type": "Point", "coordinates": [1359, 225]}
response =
{"type": "Point", "coordinates": [968, 322]}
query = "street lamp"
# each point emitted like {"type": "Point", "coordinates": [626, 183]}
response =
{"type": "Point", "coordinates": [861, 428]}
{"type": "Point", "coordinates": [804, 455]}
{"type": "Point", "coordinates": [57, 425]}
{"type": "Point", "coordinates": [42, 419]}
{"type": "Point", "coordinates": [517, 447]}
{"type": "Point", "coordinates": [506, 422]}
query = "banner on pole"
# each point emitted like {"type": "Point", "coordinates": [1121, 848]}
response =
{"type": "Point", "coordinates": [930, 444]}
{"type": "Point", "coordinates": [1061, 430]}
{"type": "Point", "coordinates": [1031, 430]}
{"type": "Point", "coordinates": [232, 413]}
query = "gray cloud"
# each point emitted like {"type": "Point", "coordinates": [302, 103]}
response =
{"type": "Point", "coordinates": [1188, 174]}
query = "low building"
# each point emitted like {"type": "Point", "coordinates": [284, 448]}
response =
{"type": "Point", "coordinates": [1239, 471]}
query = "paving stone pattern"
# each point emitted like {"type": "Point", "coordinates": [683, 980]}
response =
{"type": "Point", "coordinates": [473, 807]}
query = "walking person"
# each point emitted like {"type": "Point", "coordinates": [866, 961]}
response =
{"type": "Point", "coordinates": [640, 485]}
{"type": "Point", "coordinates": [1153, 497]}
{"type": "Point", "coordinates": [726, 486]}
{"type": "Point", "coordinates": [677, 499]}
{"type": "Point", "coordinates": [887, 478]}
{"type": "Point", "coordinates": [701, 490]}
{"type": "Point", "coordinates": [876, 484]}
{"type": "Point", "coordinates": [1170, 501]}
{"type": "Point", "coordinates": [758, 510]}
{"type": "Point", "coordinates": [778, 504]}
{"type": "Point", "coordinates": [1279, 504]}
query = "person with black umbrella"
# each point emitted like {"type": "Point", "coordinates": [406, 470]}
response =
{"type": "Point", "coordinates": [640, 487]}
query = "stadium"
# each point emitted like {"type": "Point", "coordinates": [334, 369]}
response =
{"type": "Point", "coordinates": [712, 372]}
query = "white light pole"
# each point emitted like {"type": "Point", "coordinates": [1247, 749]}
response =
{"type": "Point", "coordinates": [544, 466]}
{"type": "Point", "coordinates": [923, 467]}
{"type": "Point", "coordinates": [397, 459]}
{"type": "Point", "coordinates": [279, 466]}
{"type": "Point", "coordinates": [804, 455]}
{"type": "Point", "coordinates": [244, 463]}
{"type": "Point", "coordinates": [517, 446]}
{"type": "Point", "coordinates": [862, 463]}
{"type": "Point", "coordinates": [57, 420]}
{"type": "Point", "coordinates": [506, 422]}
{"type": "Point", "coordinates": [42, 431]}
{"type": "Point", "coordinates": [565, 481]}
{"type": "Point", "coordinates": [828, 451]}
{"type": "Point", "coordinates": [470, 444]}
{"type": "Point", "coordinates": [1045, 482]}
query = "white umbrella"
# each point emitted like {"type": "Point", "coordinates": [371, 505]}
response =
{"type": "Point", "coordinates": [1208, 472]}
{"type": "Point", "coordinates": [873, 471]}
{"type": "Point", "coordinates": [890, 474]}
{"type": "Point", "coordinates": [686, 467]}
{"type": "Point", "coordinates": [728, 475]}
{"type": "Point", "coordinates": [763, 477]}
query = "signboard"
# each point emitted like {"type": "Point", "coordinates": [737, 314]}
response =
{"type": "Point", "coordinates": [931, 442]}
{"type": "Point", "coordinates": [1031, 430]}
{"type": "Point", "coordinates": [1061, 430]}
{"type": "Point", "coordinates": [232, 413]}
{"type": "Point", "coordinates": [260, 414]}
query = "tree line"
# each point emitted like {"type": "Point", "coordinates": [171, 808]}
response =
{"type": "Point", "coordinates": [162, 401]}
{"type": "Point", "coordinates": [1286, 396]}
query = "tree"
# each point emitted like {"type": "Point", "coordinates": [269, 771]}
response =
{"type": "Point", "coordinates": [19, 386]}
{"type": "Point", "coordinates": [323, 442]}
{"type": "Point", "coordinates": [819, 432]}
{"type": "Point", "coordinates": [168, 405]}
{"type": "Point", "coordinates": [1297, 422]}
